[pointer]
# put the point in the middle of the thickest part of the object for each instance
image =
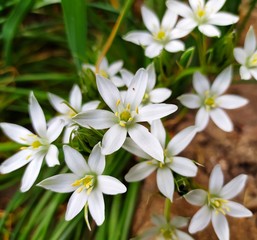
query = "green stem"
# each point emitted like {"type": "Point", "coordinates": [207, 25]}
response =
{"type": "Point", "coordinates": [167, 209]}
{"type": "Point", "coordinates": [163, 75]}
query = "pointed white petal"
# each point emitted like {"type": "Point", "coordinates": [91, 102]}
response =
{"type": "Point", "coordinates": [117, 81]}
{"type": "Point", "coordinates": [104, 64]}
{"type": "Point", "coordinates": [127, 76]}
{"type": "Point", "coordinates": [245, 74]}
{"type": "Point", "coordinates": [139, 37]}
{"type": "Point", "coordinates": [240, 55]}
{"type": "Point", "coordinates": [200, 220]}
{"type": "Point", "coordinates": [92, 105]}
{"type": "Point", "coordinates": [201, 119]}
{"type": "Point", "coordinates": [140, 171]}
{"type": "Point", "coordinates": [196, 4]}
{"type": "Point", "coordinates": [54, 130]}
{"type": "Point", "coordinates": [150, 19]}
{"type": "Point", "coordinates": [153, 49]}
{"type": "Point", "coordinates": [182, 235]}
{"type": "Point", "coordinates": [145, 140]}
{"type": "Point", "coordinates": [175, 46]}
{"type": "Point", "coordinates": [165, 182]}
{"type": "Point", "coordinates": [216, 180]}
{"type": "Point", "coordinates": [158, 130]}
{"type": "Point", "coordinates": [185, 25]}
{"type": "Point", "coordinates": [196, 197]}
{"type": "Point", "coordinates": [250, 41]}
{"type": "Point", "coordinates": [221, 119]}
{"type": "Point", "coordinates": [86, 66]}
{"type": "Point", "coordinates": [183, 166]}
{"type": "Point", "coordinates": [58, 103]}
{"type": "Point", "coordinates": [169, 20]}
{"type": "Point", "coordinates": [190, 100]}
{"type": "Point", "coordinates": [76, 98]}
{"type": "Point", "coordinates": [151, 77]}
{"type": "Point", "coordinates": [177, 33]}
{"type": "Point", "coordinates": [110, 185]}
{"type": "Point", "coordinates": [96, 160]}
{"type": "Point", "coordinates": [159, 95]}
{"type": "Point", "coordinates": [179, 8]}
{"type": "Point", "coordinates": [113, 139]}
{"type": "Point", "coordinates": [76, 203]}
{"type": "Point", "coordinates": [61, 183]}
{"type": "Point", "coordinates": [179, 222]}
{"type": "Point", "coordinates": [52, 156]}
{"type": "Point", "coordinates": [201, 83]}
{"type": "Point", "coordinates": [234, 187]}
{"type": "Point", "coordinates": [214, 6]}
{"type": "Point", "coordinates": [68, 133]}
{"type": "Point", "coordinates": [115, 68]}
{"type": "Point", "coordinates": [223, 19]}
{"type": "Point", "coordinates": [220, 225]}
{"type": "Point", "coordinates": [253, 72]}
{"type": "Point", "coordinates": [237, 210]}
{"type": "Point", "coordinates": [230, 101]}
{"type": "Point", "coordinates": [209, 30]}
{"type": "Point", "coordinates": [75, 161]}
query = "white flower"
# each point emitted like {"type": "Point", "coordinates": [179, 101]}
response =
{"type": "Point", "coordinates": [162, 35]}
{"type": "Point", "coordinates": [216, 204]}
{"type": "Point", "coordinates": [170, 162]}
{"type": "Point", "coordinates": [37, 147]}
{"type": "Point", "coordinates": [108, 71]}
{"type": "Point", "coordinates": [202, 15]}
{"type": "Point", "coordinates": [211, 101]}
{"type": "Point", "coordinates": [247, 56]}
{"type": "Point", "coordinates": [66, 112]}
{"type": "Point", "coordinates": [86, 182]}
{"type": "Point", "coordinates": [125, 116]}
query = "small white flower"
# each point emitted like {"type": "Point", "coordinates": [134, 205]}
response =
{"type": "Point", "coordinates": [170, 162]}
{"type": "Point", "coordinates": [125, 115]}
{"type": "Point", "coordinates": [108, 71]}
{"type": "Point", "coordinates": [86, 182]}
{"type": "Point", "coordinates": [202, 15]}
{"type": "Point", "coordinates": [216, 204]}
{"type": "Point", "coordinates": [37, 147]}
{"type": "Point", "coordinates": [211, 101]}
{"type": "Point", "coordinates": [66, 112]}
{"type": "Point", "coordinates": [162, 35]}
{"type": "Point", "coordinates": [247, 56]}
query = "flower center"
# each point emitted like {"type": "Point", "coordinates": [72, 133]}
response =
{"type": "Point", "coordinates": [209, 101]}
{"type": "Point", "coordinates": [125, 116]}
{"type": "Point", "coordinates": [253, 60]}
{"type": "Point", "coordinates": [104, 74]}
{"type": "Point", "coordinates": [88, 182]}
{"type": "Point", "coordinates": [71, 113]}
{"type": "Point", "coordinates": [161, 35]}
{"type": "Point", "coordinates": [217, 204]}
{"type": "Point", "coordinates": [200, 14]}
{"type": "Point", "coordinates": [36, 144]}
{"type": "Point", "coordinates": [168, 233]}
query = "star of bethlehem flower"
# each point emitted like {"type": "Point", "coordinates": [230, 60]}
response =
{"type": "Point", "coordinates": [215, 203]}
{"type": "Point", "coordinates": [67, 111]}
{"type": "Point", "coordinates": [170, 162]}
{"type": "Point", "coordinates": [202, 15]}
{"type": "Point", "coordinates": [163, 35]}
{"type": "Point", "coordinates": [167, 230]}
{"type": "Point", "coordinates": [211, 101]}
{"type": "Point", "coordinates": [86, 182]}
{"type": "Point", "coordinates": [108, 71]}
{"type": "Point", "coordinates": [37, 146]}
{"type": "Point", "coordinates": [125, 115]}
{"type": "Point", "coordinates": [247, 56]}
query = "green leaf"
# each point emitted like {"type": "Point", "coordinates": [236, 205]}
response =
{"type": "Point", "coordinates": [187, 57]}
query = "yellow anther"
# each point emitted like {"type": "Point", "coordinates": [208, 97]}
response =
{"type": "Point", "coordinates": [200, 12]}
{"type": "Point", "coordinates": [28, 157]}
{"type": "Point", "coordinates": [103, 73]}
{"type": "Point", "coordinates": [122, 124]}
{"type": "Point", "coordinates": [118, 103]}
{"type": "Point", "coordinates": [161, 35]}
{"type": "Point", "coordinates": [125, 116]}
{"type": "Point", "coordinates": [36, 144]}
{"type": "Point", "coordinates": [137, 110]}
{"type": "Point", "coordinates": [116, 114]}
{"type": "Point", "coordinates": [128, 106]}
{"type": "Point", "coordinates": [76, 183]}
{"type": "Point", "coordinates": [22, 138]}
{"type": "Point", "coordinates": [23, 148]}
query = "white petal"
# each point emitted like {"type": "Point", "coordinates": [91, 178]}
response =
{"type": "Point", "coordinates": [201, 83]}
{"type": "Point", "coordinates": [165, 182]}
{"type": "Point", "coordinates": [115, 68]}
{"type": "Point", "coordinates": [177, 33]}
{"type": "Point", "coordinates": [127, 76]}
{"type": "Point", "coordinates": [178, 222]}
{"type": "Point", "coordinates": [182, 235]}
{"type": "Point", "coordinates": [220, 225]}
{"type": "Point", "coordinates": [153, 50]}
{"type": "Point", "coordinates": [37, 116]}
{"type": "Point", "coordinates": [151, 77]}
{"type": "Point", "coordinates": [223, 19]}
{"type": "Point", "coordinates": [196, 4]}
{"type": "Point", "coordinates": [104, 64]}
{"type": "Point", "coordinates": [183, 24]}
{"type": "Point", "coordinates": [200, 220]}
{"type": "Point", "coordinates": [201, 119]}
{"type": "Point", "coordinates": [240, 55]}
{"type": "Point", "coordinates": [61, 183]}
{"type": "Point", "coordinates": [181, 140]}
{"type": "Point", "coordinates": [150, 19]}
{"type": "Point", "coordinates": [221, 119]}
{"type": "Point", "coordinates": [169, 20]}
{"type": "Point", "coordinates": [96, 206]}
{"type": "Point", "coordinates": [15, 132]}
{"type": "Point", "coordinates": [92, 105]}
{"type": "Point", "coordinates": [230, 101]}
{"type": "Point", "coordinates": [96, 160]}
{"type": "Point", "coordinates": [159, 95]}
{"type": "Point", "coordinates": [69, 133]}
{"type": "Point", "coordinates": [196, 197]}
{"type": "Point", "coordinates": [75, 161]}
{"type": "Point", "coordinates": [155, 111]}
{"type": "Point", "coordinates": [209, 30]}
{"type": "Point", "coordinates": [117, 81]}
{"type": "Point", "coordinates": [214, 6]}
{"type": "Point", "coordinates": [179, 8]}
{"type": "Point", "coordinates": [97, 119]}
{"type": "Point", "coordinates": [253, 72]}
{"type": "Point", "coordinates": [175, 46]}
{"type": "Point", "coordinates": [76, 98]}
{"type": "Point", "coordinates": [222, 81]}
{"type": "Point", "coordinates": [250, 41]}
{"type": "Point", "coordinates": [183, 166]}
{"type": "Point", "coordinates": [110, 185]}
{"type": "Point", "coordinates": [145, 140]}
{"type": "Point", "coordinates": [58, 103]}
{"type": "Point", "coordinates": [113, 139]}
{"type": "Point", "coordinates": [190, 100]}
{"type": "Point", "coordinates": [216, 180]}
{"type": "Point", "coordinates": [139, 37]}
{"type": "Point", "coordinates": [234, 187]}
{"type": "Point", "coordinates": [76, 202]}
{"type": "Point", "coordinates": [140, 171]}
{"type": "Point", "coordinates": [245, 74]}
{"type": "Point", "coordinates": [52, 156]}
{"type": "Point", "coordinates": [54, 130]}
{"type": "Point", "coordinates": [158, 130]}
{"type": "Point", "coordinates": [237, 210]}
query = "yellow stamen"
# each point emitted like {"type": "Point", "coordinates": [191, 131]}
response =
{"type": "Point", "coordinates": [125, 116]}
{"type": "Point", "coordinates": [200, 12]}
{"type": "Point", "coordinates": [104, 73]}
{"type": "Point", "coordinates": [161, 35]}
{"type": "Point", "coordinates": [28, 157]}
{"type": "Point", "coordinates": [36, 144]}
{"type": "Point", "coordinates": [118, 102]}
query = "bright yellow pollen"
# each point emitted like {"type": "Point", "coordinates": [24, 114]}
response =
{"type": "Point", "coordinates": [104, 73]}
{"type": "Point", "coordinates": [161, 35]}
{"type": "Point", "coordinates": [118, 102]}
{"type": "Point", "coordinates": [200, 12]}
{"type": "Point", "coordinates": [253, 60]}
{"type": "Point", "coordinates": [87, 183]}
{"type": "Point", "coordinates": [125, 116]}
{"type": "Point", "coordinates": [36, 144]}
{"type": "Point", "coordinates": [210, 101]}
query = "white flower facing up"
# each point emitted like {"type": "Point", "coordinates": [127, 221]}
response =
{"type": "Point", "coordinates": [108, 71]}
{"type": "Point", "coordinates": [125, 115]}
{"type": "Point", "coordinates": [170, 162]}
{"type": "Point", "coordinates": [37, 146]}
{"type": "Point", "coordinates": [202, 15]}
{"type": "Point", "coordinates": [162, 35]}
{"type": "Point", "coordinates": [211, 101]}
{"type": "Point", "coordinates": [216, 204]}
{"type": "Point", "coordinates": [86, 182]}
{"type": "Point", "coordinates": [247, 56]}
{"type": "Point", "coordinates": [68, 111]}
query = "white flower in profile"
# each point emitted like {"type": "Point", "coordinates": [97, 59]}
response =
{"type": "Point", "coordinates": [215, 204]}
{"type": "Point", "coordinates": [125, 115]}
{"type": "Point", "coordinates": [37, 147]}
{"type": "Point", "coordinates": [108, 71]}
{"type": "Point", "coordinates": [211, 101]}
{"type": "Point", "coordinates": [247, 56]}
{"type": "Point", "coordinates": [86, 182]}
{"type": "Point", "coordinates": [162, 35]}
{"type": "Point", "coordinates": [202, 15]}
{"type": "Point", "coordinates": [170, 162]}
{"type": "Point", "coordinates": [67, 111]}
